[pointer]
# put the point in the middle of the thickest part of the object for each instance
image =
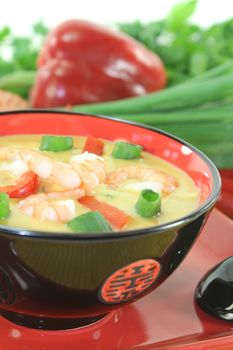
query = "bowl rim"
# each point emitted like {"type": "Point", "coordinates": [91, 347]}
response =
{"type": "Point", "coordinates": [184, 220]}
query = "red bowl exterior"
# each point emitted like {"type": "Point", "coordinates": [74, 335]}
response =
{"type": "Point", "coordinates": [57, 275]}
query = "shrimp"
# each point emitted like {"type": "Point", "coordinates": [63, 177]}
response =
{"type": "Point", "coordinates": [9, 101]}
{"type": "Point", "coordinates": [16, 166]}
{"type": "Point", "coordinates": [90, 168]}
{"type": "Point", "coordinates": [151, 178]}
{"type": "Point", "coordinates": [84, 171]}
{"type": "Point", "coordinates": [43, 206]}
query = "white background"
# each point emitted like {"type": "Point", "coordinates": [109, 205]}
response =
{"type": "Point", "coordinates": [21, 14]}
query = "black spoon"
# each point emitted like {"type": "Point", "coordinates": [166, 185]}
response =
{"type": "Point", "coordinates": [214, 292]}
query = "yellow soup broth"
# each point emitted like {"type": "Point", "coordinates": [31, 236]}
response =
{"type": "Point", "coordinates": [183, 200]}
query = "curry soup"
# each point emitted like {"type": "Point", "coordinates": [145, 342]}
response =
{"type": "Point", "coordinates": [97, 184]}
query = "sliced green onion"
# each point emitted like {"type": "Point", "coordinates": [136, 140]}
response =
{"type": "Point", "coordinates": [148, 204]}
{"type": "Point", "coordinates": [4, 205]}
{"type": "Point", "coordinates": [125, 150]}
{"type": "Point", "coordinates": [56, 143]}
{"type": "Point", "coordinates": [92, 221]}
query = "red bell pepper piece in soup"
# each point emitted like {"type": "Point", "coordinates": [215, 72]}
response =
{"type": "Point", "coordinates": [116, 217]}
{"type": "Point", "coordinates": [26, 184]}
{"type": "Point", "coordinates": [93, 145]}
{"type": "Point", "coordinates": [82, 62]}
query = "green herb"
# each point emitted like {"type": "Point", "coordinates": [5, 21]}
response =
{"type": "Point", "coordinates": [19, 53]}
{"type": "Point", "coordinates": [56, 143]}
{"type": "Point", "coordinates": [185, 48]}
{"type": "Point", "coordinates": [125, 150]}
{"type": "Point", "coordinates": [4, 32]}
{"type": "Point", "coordinates": [92, 221]}
{"type": "Point", "coordinates": [179, 14]}
{"type": "Point", "coordinates": [148, 204]}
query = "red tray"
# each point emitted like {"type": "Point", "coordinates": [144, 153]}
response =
{"type": "Point", "coordinates": [168, 318]}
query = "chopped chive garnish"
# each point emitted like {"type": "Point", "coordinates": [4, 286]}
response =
{"type": "Point", "coordinates": [148, 204]}
{"type": "Point", "coordinates": [56, 143]}
{"type": "Point", "coordinates": [125, 150]}
{"type": "Point", "coordinates": [92, 221]}
{"type": "Point", "coordinates": [4, 205]}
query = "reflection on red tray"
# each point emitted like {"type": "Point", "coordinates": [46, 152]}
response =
{"type": "Point", "coordinates": [166, 319]}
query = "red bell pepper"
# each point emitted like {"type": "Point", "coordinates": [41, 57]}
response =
{"type": "Point", "coordinates": [93, 145]}
{"type": "Point", "coordinates": [25, 185]}
{"type": "Point", "coordinates": [113, 215]}
{"type": "Point", "coordinates": [82, 62]}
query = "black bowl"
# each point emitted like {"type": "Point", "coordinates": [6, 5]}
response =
{"type": "Point", "coordinates": [61, 280]}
